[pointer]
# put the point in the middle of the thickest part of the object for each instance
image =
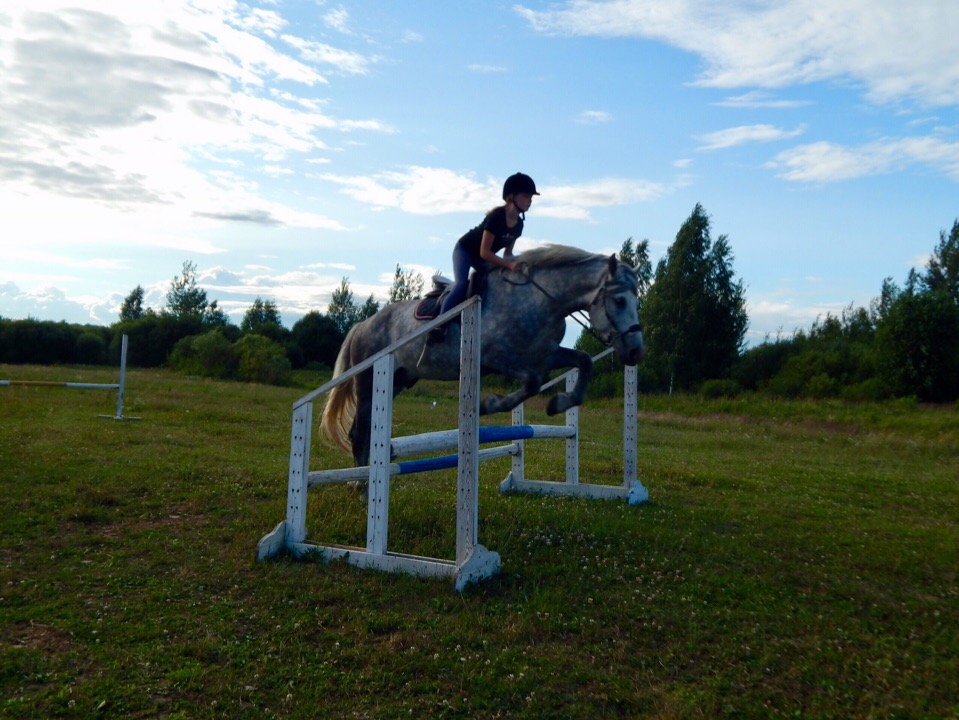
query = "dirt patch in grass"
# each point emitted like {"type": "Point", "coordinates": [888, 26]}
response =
{"type": "Point", "coordinates": [46, 639]}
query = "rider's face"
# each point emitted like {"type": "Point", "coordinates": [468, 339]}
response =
{"type": "Point", "coordinates": [522, 201]}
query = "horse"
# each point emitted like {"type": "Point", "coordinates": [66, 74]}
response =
{"type": "Point", "coordinates": [523, 319]}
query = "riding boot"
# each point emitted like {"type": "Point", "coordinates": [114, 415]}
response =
{"type": "Point", "coordinates": [436, 336]}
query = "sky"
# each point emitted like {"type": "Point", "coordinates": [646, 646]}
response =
{"type": "Point", "coordinates": [283, 146]}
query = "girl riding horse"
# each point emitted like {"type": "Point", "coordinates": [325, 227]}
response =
{"type": "Point", "coordinates": [478, 247]}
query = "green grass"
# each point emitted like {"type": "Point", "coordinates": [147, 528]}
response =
{"type": "Point", "coordinates": [797, 560]}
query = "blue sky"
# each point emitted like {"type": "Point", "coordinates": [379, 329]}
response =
{"type": "Point", "coordinates": [281, 146]}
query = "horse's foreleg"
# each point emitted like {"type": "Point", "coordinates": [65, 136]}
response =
{"type": "Point", "coordinates": [502, 403]}
{"type": "Point", "coordinates": [567, 358]}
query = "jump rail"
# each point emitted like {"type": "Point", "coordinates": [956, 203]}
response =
{"type": "Point", "coordinates": [119, 386]}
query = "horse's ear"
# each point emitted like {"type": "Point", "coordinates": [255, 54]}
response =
{"type": "Point", "coordinates": [612, 264]}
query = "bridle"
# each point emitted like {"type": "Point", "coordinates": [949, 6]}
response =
{"type": "Point", "coordinates": [602, 294]}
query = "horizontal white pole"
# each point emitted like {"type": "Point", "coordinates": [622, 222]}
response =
{"type": "Point", "coordinates": [344, 475]}
{"type": "Point", "coordinates": [53, 383]}
{"type": "Point", "coordinates": [447, 439]}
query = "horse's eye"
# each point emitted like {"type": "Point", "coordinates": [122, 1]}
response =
{"type": "Point", "coordinates": [620, 303]}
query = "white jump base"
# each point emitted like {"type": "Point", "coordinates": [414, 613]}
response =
{"type": "Point", "coordinates": [119, 386]}
{"type": "Point", "coordinates": [473, 561]}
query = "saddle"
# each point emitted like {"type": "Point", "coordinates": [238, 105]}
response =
{"type": "Point", "coordinates": [429, 307]}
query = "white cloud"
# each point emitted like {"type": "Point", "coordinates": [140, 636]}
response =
{"type": "Point", "coordinates": [343, 60]}
{"type": "Point", "coordinates": [488, 69]}
{"type": "Point", "coordinates": [593, 117]}
{"type": "Point", "coordinates": [337, 19]}
{"type": "Point", "coordinates": [895, 50]}
{"type": "Point", "coordinates": [824, 162]}
{"type": "Point", "coordinates": [420, 190]}
{"type": "Point", "coordinates": [607, 192]}
{"type": "Point", "coordinates": [129, 109]}
{"type": "Point", "coordinates": [746, 134]}
{"type": "Point", "coordinates": [431, 191]}
{"type": "Point", "coordinates": [44, 301]}
{"type": "Point", "coordinates": [756, 99]}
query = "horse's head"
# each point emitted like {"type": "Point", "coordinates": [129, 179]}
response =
{"type": "Point", "coordinates": [614, 313]}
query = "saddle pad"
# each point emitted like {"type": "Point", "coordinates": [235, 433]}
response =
{"type": "Point", "coordinates": [429, 307]}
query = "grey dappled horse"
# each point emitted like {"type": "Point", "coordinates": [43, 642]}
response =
{"type": "Point", "coordinates": [523, 321]}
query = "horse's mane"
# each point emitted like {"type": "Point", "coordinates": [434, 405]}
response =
{"type": "Point", "coordinates": [550, 255]}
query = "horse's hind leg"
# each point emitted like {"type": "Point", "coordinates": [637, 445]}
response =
{"type": "Point", "coordinates": [360, 430]}
{"type": "Point", "coordinates": [502, 403]}
{"type": "Point", "coordinates": [567, 358]}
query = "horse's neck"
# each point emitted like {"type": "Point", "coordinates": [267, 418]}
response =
{"type": "Point", "coordinates": [576, 286]}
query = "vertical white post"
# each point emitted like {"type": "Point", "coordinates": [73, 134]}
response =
{"type": "Point", "coordinates": [518, 465]}
{"type": "Point", "coordinates": [467, 493]}
{"type": "Point", "coordinates": [299, 471]}
{"type": "Point", "coordinates": [381, 426]}
{"type": "Point", "coordinates": [572, 443]}
{"type": "Point", "coordinates": [123, 376]}
{"type": "Point", "coordinates": [630, 424]}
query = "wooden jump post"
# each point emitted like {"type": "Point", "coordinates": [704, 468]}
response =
{"type": "Point", "coordinates": [473, 561]}
{"type": "Point", "coordinates": [119, 386]}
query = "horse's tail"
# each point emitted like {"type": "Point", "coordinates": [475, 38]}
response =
{"type": "Point", "coordinates": [340, 408]}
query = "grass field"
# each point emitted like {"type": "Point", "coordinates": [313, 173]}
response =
{"type": "Point", "coordinates": [796, 560]}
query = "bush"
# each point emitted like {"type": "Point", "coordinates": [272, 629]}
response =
{"type": "Point", "coordinates": [821, 386]}
{"type": "Point", "coordinates": [153, 337]}
{"type": "Point", "coordinates": [917, 347]}
{"type": "Point", "coordinates": [713, 389]}
{"type": "Point", "coordinates": [91, 349]}
{"type": "Point", "coordinates": [262, 361]}
{"type": "Point", "coordinates": [183, 357]}
{"type": "Point", "coordinates": [209, 355]}
{"type": "Point", "coordinates": [217, 355]}
{"type": "Point", "coordinates": [36, 341]}
{"type": "Point", "coordinates": [870, 390]}
{"type": "Point", "coordinates": [758, 364]}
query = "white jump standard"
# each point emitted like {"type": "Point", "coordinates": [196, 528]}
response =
{"type": "Point", "coordinates": [632, 490]}
{"type": "Point", "coordinates": [119, 386]}
{"type": "Point", "coordinates": [473, 562]}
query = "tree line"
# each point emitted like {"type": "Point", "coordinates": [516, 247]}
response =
{"type": "Point", "coordinates": [692, 306]}
{"type": "Point", "coordinates": [192, 334]}
{"type": "Point", "coordinates": [905, 344]}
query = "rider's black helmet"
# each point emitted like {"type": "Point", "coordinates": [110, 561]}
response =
{"type": "Point", "coordinates": [519, 183]}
